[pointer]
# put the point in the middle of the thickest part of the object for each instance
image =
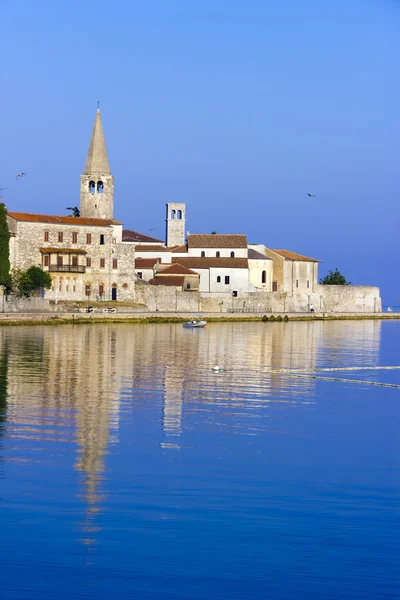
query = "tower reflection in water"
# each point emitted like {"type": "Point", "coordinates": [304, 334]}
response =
{"type": "Point", "coordinates": [62, 387]}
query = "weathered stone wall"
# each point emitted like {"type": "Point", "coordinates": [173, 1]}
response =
{"type": "Point", "coordinates": [349, 298]}
{"type": "Point", "coordinates": [163, 298]}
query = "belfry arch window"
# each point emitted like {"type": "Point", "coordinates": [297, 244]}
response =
{"type": "Point", "coordinates": [92, 187]}
{"type": "Point", "coordinates": [218, 254]}
{"type": "Point", "coordinates": [232, 255]}
{"type": "Point", "coordinates": [264, 277]}
{"type": "Point", "coordinates": [203, 254]}
{"type": "Point", "coordinates": [173, 213]}
{"type": "Point", "coordinates": [179, 214]}
{"type": "Point", "coordinates": [100, 187]}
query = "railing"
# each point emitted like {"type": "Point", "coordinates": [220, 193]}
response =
{"type": "Point", "coordinates": [67, 268]}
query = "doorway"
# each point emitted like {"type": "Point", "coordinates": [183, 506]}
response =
{"type": "Point", "coordinates": [114, 292]}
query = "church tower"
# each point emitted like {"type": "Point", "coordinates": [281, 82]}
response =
{"type": "Point", "coordinates": [176, 217]}
{"type": "Point", "coordinates": [97, 183]}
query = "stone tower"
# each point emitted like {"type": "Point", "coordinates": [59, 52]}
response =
{"type": "Point", "coordinates": [97, 183]}
{"type": "Point", "coordinates": [175, 220]}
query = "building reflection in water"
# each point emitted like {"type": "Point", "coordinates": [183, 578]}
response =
{"type": "Point", "coordinates": [65, 384]}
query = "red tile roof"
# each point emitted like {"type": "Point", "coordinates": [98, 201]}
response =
{"type": "Point", "coordinates": [174, 281]}
{"type": "Point", "coordinates": [288, 255]}
{"type": "Point", "coordinates": [180, 249]}
{"type": "Point", "coordinates": [53, 219]}
{"type": "Point", "coordinates": [217, 240]}
{"type": "Point", "coordinates": [195, 262]}
{"type": "Point", "coordinates": [254, 255]}
{"type": "Point", "coordinates": [128, 235]}
{"type": "Point", "coordinates": [62, 250]}
{"type": "Point", "coordinates": [145, 263]}
{"type": "Point", "coordinates": [176, 269]}
{"type": "Point", "coordinates": [152, 248]}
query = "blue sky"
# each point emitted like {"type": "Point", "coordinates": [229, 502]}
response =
{"type": "Point", "coordinates": [238, 108]}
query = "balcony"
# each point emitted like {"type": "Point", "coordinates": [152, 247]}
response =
{"type": "Point", "coordinates": [67, 269]}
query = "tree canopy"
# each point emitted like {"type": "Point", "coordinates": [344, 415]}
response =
{"type": "Point", "coordinates": [4, 247]}
{"type": "Point", "coordinates": [334, 278]}
{"type": "Point", "coordinates": [26, 283]}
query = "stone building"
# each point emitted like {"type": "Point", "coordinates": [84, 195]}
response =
{"type": "Point", "coordinates": [292, 272]}
{"type": "Point", "coordinates": [260, 270]}
{"type": "Point", "coordinates": [85, 255]}
{"type": "Point", "coordinates": [175, 223]}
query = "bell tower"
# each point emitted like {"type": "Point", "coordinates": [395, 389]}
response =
{"type": "Point", "coordinates": [175, 221]}
{"type": "Point", "coordinates": [97, 183]}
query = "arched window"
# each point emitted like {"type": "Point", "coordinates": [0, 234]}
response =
{"type": "Point", "coordinates": [218, 279]}
{"type": "Point", "coordinates": [203, 254]}
{"type": "Point", "coordinates": [188, 286]}
{"type": "Point", "coordinates": [179, 214]}
{"type": "Point", "coordinates": [173, 213]}
{"type": "Point", "coordinates": [218, 254]}
{"type": "Point", "coordinates": [92, 187]}
{"type": "Point", "coordinates": [232, 254]}
{"type": "Point", "coordinates": [100, 187]}
{"type": "Point", "coordinates": [264, 277]}
{"type": "Point", "coordinates": [101, 289]}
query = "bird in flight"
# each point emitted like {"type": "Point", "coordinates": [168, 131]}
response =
{"type": "Point", "coordinates": [20, 175]}
{"type": "Point", "coordinates": [310, 195]}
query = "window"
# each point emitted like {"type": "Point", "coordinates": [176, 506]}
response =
{"type": "Point", "coordinates": [46, 260]}
{"type": "Point", "coordinates": [101, 289]}
{"type": "Point", "coordinates": [308, 283]}
{"type": "Point", "coordinates": [114, 240]}
{"type": "Point", "coordinates": [203, 254]}
{"type": "Point", "coordinates": [92, 187]}
{"type": "Point", "coordinates": [218, 254]}
{"type": "Point", "coordinates": [234, 293]}
{"type": "Point", "coordinates": [115, 263]}
{"type": "Point", "coordinates": [66, 285]}
{"type": "Point", "coordinates": [87, 289]}
{"type": "Point", "coordinates": [46, 236]}
{"type": "Point", "coordinates": [60, 236]}
{"type": "Point", "coordinates": [88, 261]}
{"type": "Point", "coordinates": [74, 285]}
{"type": "Point", "coordinates": [179, 214]}
{"type": "Point", "coordinates": [139, 274]}
{"type": "Point", "coordinates": [60, 285]}
{"type": "Point", "coordinates": [173, 213]}
{"type": "Point", "coordinates": [218, 279]}
{"type": "Point", "coordinates": [102, 239]}
{"type": "Point", "coordinates": [100, 187]}
{"type": "Point", "coordinates": [102, 263]}
{"type": "Point", "coordinates": [232, 254]}
{"type": "Point", "coordinates": [59, 261]}
{"type": "Point", "coordinates": [74, 261]}
{"type": "Point", "coordinates": [297, 283]}
{"type": "Point", "coordinates": [74, 237]}
{"type": "Point", "coordinates": [264, 277]}
{"type": "Point", "coordinates": [188, 286]}
{"type": "Point", "coordinates": [227, 279]}
{"type": "Point", "coordinates": [274, 286]}
{"type": "Point", "coordinates": [88, 238]}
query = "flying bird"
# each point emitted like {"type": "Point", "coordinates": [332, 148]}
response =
{"type": "Point", "coordinates": [20, 175]}
{"type": "Point", "coordinates": [310, 195]}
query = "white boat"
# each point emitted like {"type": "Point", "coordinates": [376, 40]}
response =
{"type": "Point", "coordinates": [195, 324]}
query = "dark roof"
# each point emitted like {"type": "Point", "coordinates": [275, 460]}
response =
{"type": "Point", "coordinates": [254, 255]}
{"type": "Point", "coordinates": [288, 255]}
{"type": "Point", "coordinates": [180, 249]}
{"type": "Point", "coordinates": [173, 280]}
{"type": "Point", "coordinates": [176, 269]}
{"type": "Point", "coordinates": [152, 248]}
{"type": "Point", "coordinates": [128, 235]}
{"type": "Point", "coordinates": [145, 263]}
{"type": "Point", "coordinates": [195, 262]}
{"type": "Point", "coordinates": [62, 251]}
{"type": "Point", "coordinates": [217, 240]}
{"type": "Point", "coordinates": [53, 219]}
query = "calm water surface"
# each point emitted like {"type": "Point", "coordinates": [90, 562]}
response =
{"type": "Point", "coordinates": [129, 470]}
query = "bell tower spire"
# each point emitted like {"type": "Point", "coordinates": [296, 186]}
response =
{"type": "Point", "coordinates": [97, 183]}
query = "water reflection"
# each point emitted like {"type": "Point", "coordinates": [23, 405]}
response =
{"type": "Point", "coordinates": [64, 386]}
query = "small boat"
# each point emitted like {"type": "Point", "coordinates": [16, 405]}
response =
{"type": "Point", "coordinates": [195, 324]}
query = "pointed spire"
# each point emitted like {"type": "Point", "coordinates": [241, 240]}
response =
{"type": "Point", "coordinates": [97, 159]}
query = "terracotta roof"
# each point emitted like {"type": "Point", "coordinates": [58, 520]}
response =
{"type": "Point", "coordinates": [176, 269]}
{"type": "Point", "coordinates": [217, 240]}
{"type": "Point", "coordinates": [180, 249]}
{"type": "Point", "coordinates": [145, 263]}
{"type": "Point", "coordinates": [288, 255]}
{"type": "Point", "coordinates": [254, 255]}
{"type": "Point", "coordinates": [53, 219]}
{"type": "Point", "coordinates": [128, 235]}
{"type": "Point", "coordinates": [152, 248]}
{"type": "Point", "coordinates": [62, 251]}
{"type": "Point", "coordinates": [174, 281]}
{"type": "Point", "coordinates": [195, 262]}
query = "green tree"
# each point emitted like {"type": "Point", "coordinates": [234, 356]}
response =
{"type": "Point", "coordinates": [75, 211]}
{"type": "Point", "coordinates": [213, 233]}
{"type": "Point", "coordinates": [334, 278]}
{"type": "Point", "coordinates": [26, 283]}
{"type": "Point", "coordinates": [4, 248]}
